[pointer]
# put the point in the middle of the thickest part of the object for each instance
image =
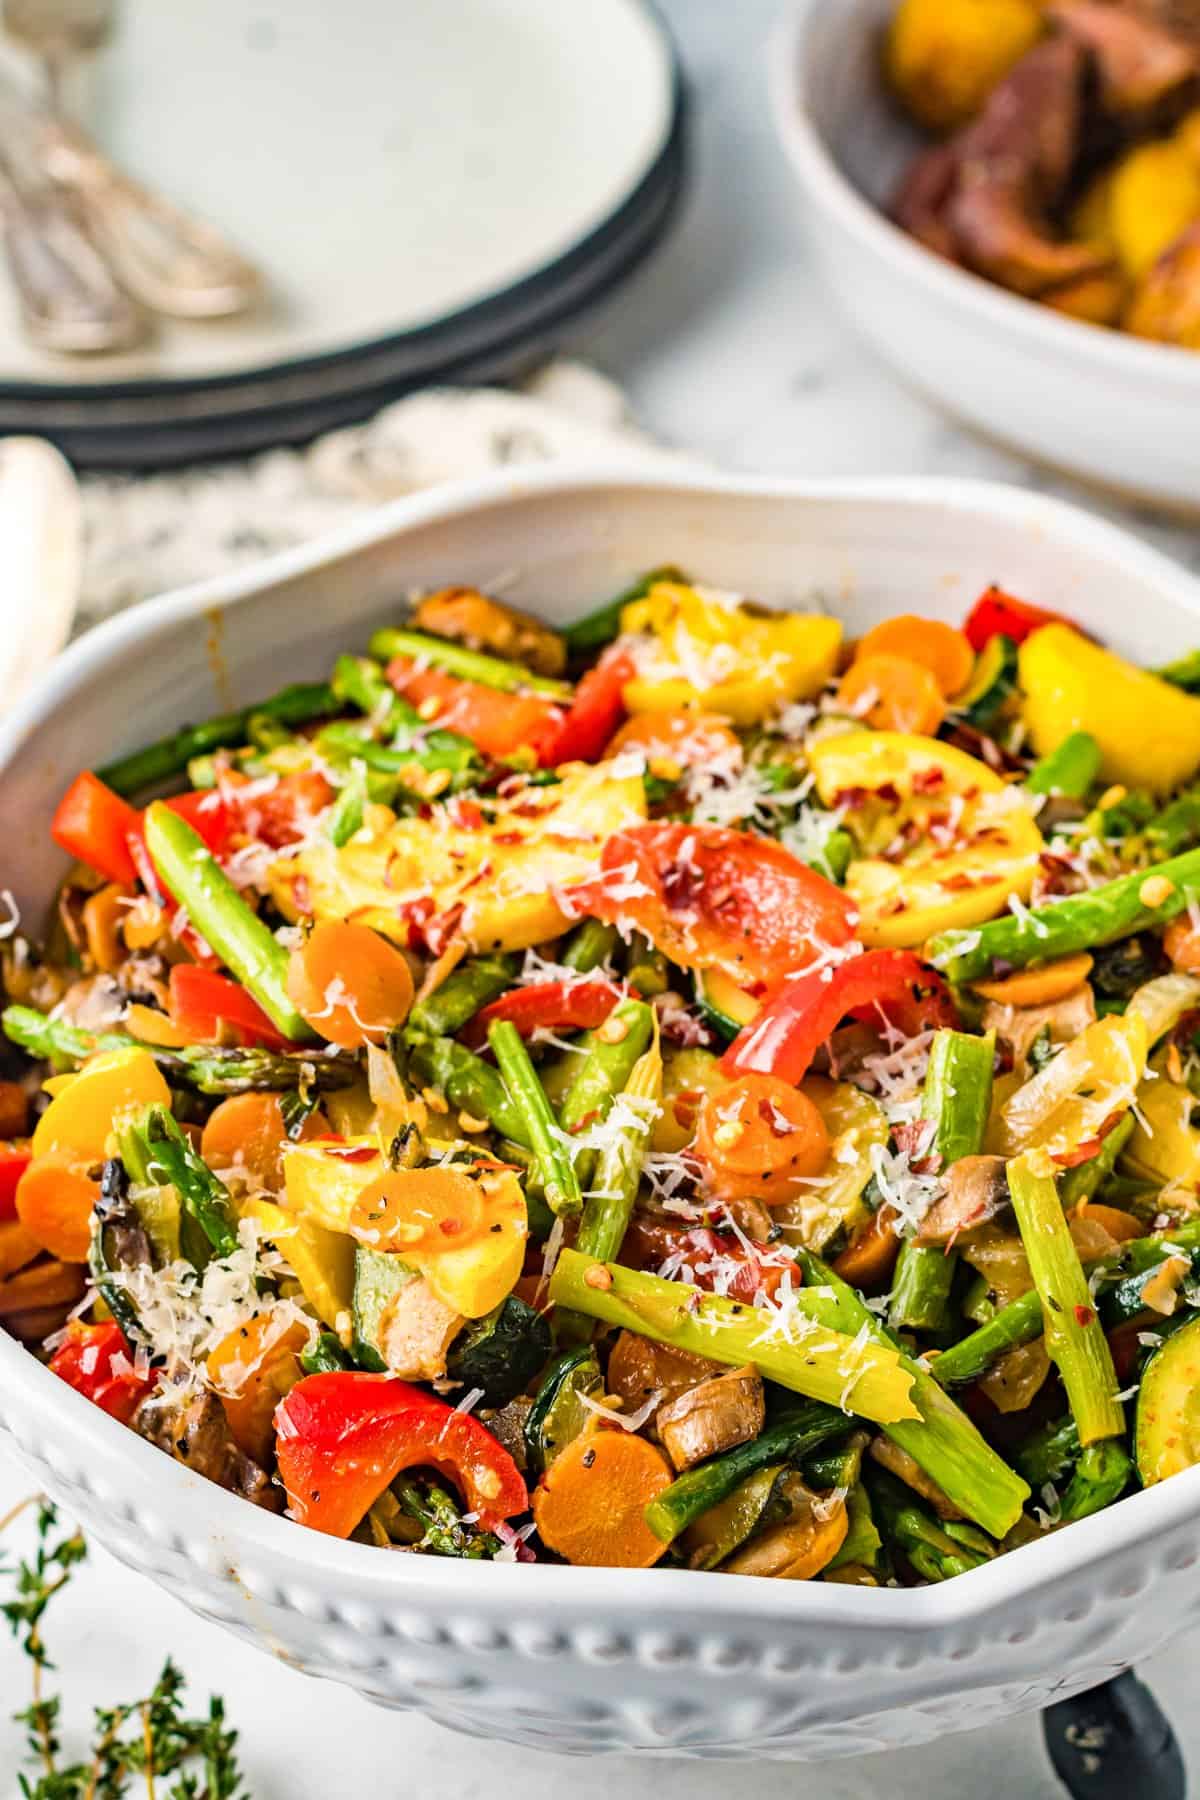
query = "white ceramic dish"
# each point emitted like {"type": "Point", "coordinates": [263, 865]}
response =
{"type": "Point", "coordinates": [579, 1659]}
{"type": "Point", "coordinates": [1104, 406]}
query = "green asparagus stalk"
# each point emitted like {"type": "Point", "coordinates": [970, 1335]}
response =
{"type": "Point", "coordinates": [589, 945]}
{"type": "Point", "coordinates": [925, 1544]}
{"type": "Point", "coordinates": [411, 748]}
{"type": "Point", "coordinates": [1177, 826]}
{"type": "Point", "coordinates": [359, 681]}
{"type": "Point", "coordinates": [560, 1183]}
{"type": "Point", "coordinates": [467, 988]}
{"type": "Point", "coordinates": [1085, 1179]}
{"type": "Point", "coordinates": [786, 1440]}
{"type": "Point", "coordinates": [609, 1201]}
{"type": "Point", "coordinates": [609, 1056]}
{"type": "Point", "coordinates": [1101, 1476]}
{"type": "Point", "coordinates": [862, 1543]}
{"type": "Point", "coordinates": [467, 665]}
{"type": "Point", "coordinates": [1069, 769]}
{"type": "Point", "coordinates": [1080, 922]}
{"type": "Point", "coordinates": [445, 1532]}
{"type": "Point", "coordinates": [1074, 1338]}
{"type": "Point", "coordinates": [157, 1154]}
{"type": "Point", "coordinates": [941, 1439]}
{"type": "Point", "coordinates": [238, 936]}
{"type": "Point", "coordinates": [600, 627]}
{"type": "Point", "coordinates": [1184, 672]}
{"type": "Point", "coordinates": [170, 756]}
{"type": "Point", "coordinates": [207, 1068]}
{"type": "Point", "coordinates": [468, 1083]}
{"type": "Point", "coordinates": [1015, 1324]}
{"type": "Point", "coordinates": [1048, 1453]}
{"type": "Point", "coordinates": [347, 815]}
{"type": "Point", "coordinates": [957, 1096]}
{"type": "Point", "coordinates": [811, 1359]}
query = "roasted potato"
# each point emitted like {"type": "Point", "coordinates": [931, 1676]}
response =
{"type": "Point", "coordinates": [944, 57]}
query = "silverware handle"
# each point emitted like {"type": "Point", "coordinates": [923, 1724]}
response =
{"type": "Point", "coordinates": [68, 298]}
{"type": "Point", "coordinates": [166, 257]}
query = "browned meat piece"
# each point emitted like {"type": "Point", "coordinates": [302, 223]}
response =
{"type": "Point", "coordinates": [712, 1417]}
{"type": "Point", "coordinates": [1141, 63]}
{"type": "Point", "coordinates": [924, 197]}
{"type": "Point", "coordinates": [976, 1192]}
{"type": "Point", "coordinates": [471, 618]}
{"type": "Point", "coordinates": [196, 1433]}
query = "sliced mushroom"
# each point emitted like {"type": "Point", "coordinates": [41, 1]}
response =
{"type": "Point", "coordinates": [1016, 1378]}
{"type": "Point", "coordinates": [909, 1471]}
{"type": "Point", "coordinates": [481, 623]}
{"type": "Point", "coordinates": [803, 1545]}
{"type": "Point", "coordinates": [639, 1369]}
{"type": "Point", "coordinates": [1014, 163]}
{"type": "Point", "coordinates": [195, 1431]}
{"type": "Point", "coordinates": [716, 1415]}
{"type": "Point", "coordinates": [1141, 63]}
{"type": "Point", "coordinates": [417, 1332]}
{"type": "Point", "coordinates": [1018, 1027]}
{"type": "Point", "coordinates": [976, 1193]}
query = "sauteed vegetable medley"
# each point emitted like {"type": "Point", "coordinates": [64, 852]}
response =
{"type": "Point", "coordinates": [688, 1089]}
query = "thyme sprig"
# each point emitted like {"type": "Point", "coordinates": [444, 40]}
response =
{"type": "Point", "coordinates": [144, 1741]}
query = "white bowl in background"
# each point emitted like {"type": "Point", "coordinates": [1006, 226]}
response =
{"type": "Point", "coordinates": [1104, 406]}
{"type": "Point", "coordinates": [598, 1659]}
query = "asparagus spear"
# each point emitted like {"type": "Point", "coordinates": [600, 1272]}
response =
{"type": "Point", "coordinates": [445, 1532]}
{"type": "Point", "coordinates": [1177, 826]}
{"type": "Point", "coordinates": [608, 1206]}
{"type": "Point", "coordinates": [786, 1440]}
{"type": "Point", "coordinates": [1074, 1338]}
{"type": "Point", "coordinates": [600, 627]}
{"type": "Point", "coordinates": [609, 1055]}
{"type": "Point", "coordinates": [1021, 1320]}
{"type": "Point", "coordinates": [214, 906]}
{"type": "Point", "coordinates": [170, 756]}
{"type": "Point", "coordinates": [468, 987]}
{"type": "Point", "coordinates": [156, 1152]}
{"type": "Point", "coordinates": [1048, 1453]}
{"type": "Point", "coordinates": [468, 1083]}
{"type": "Point", "coordinates": [812, 1359]}
{"type": "Point", "coordinates": [1100, 916]}
{"type": "Point", "coordinates": [1081, 1182]}
{"type": "Point", "coordinates": [862, 1543]}
{"type": "Point", "coordinates": [560, 1184]}
{"type": "Point", "coordinates": [942, 1440]}
{"type": "Point", "coordinates": [347, 815]}
{"type": "Point", "coordinates": [411, 748]}
{"type": "Point", "coordinates": [589, 945]}
{"type": "Point", "coordinates": [208, 1068]}
{"type": "Point", "coordinates": [1101, 1476]}
{"type": "Point", "coordinates": [359, 681]}
{"type": "Point", "coordinates": [1184, 672]}
{"type": "Point", "coordinates": [1069, 769]}
{"type": "Point", "coordinates": [926, 1545]}
{"type": "Point", "coordinates": [467, 665]}
{"type": "Point", "coordinates": [957, 1096]}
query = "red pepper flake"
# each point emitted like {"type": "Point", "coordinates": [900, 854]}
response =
{"type": "Point", "coordinates": [1084, 1315]}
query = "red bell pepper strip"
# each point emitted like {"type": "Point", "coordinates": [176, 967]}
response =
{"type": "Point", "coordinates": [85, 1362]}
{"type": "Point", "coordinates": [597, 709]}
{"type": "Point", "coordinates": [795, 1022]}
{"type": "Point", "coordinates": [711, 897]}
{"type": "Point", "coordinates": [341, 1439]}
{"type": "Point", "coordinates": [997, 614]}
{"type": "Point", "coordinates": [15, 1158]}
{"type": "Point", "coordinates": [211, 1008]}
{"type": "Point", "coordinates": [496, 722]}
{"type": "Point", "coordinates": [547, 1005]}
{"type": "Point", "coordinates": [91, 823]}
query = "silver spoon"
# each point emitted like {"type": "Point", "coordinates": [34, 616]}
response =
{"type": "Point", "coordinates": [168, 259]}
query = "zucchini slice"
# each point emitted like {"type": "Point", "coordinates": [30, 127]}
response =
{"type": "Point", "coordinates": [378, 1277]}
{"type": "Point", "coordinates": [558, 1415]}
{"type": "Point", "coordinates": [723, 1004]}
{"type": "Point", "coordinates": [992, 684]}
{"type": "Point", "coordinates": [1167, 1438]}
{"type": "Point", "coordinates": [502, 1352]}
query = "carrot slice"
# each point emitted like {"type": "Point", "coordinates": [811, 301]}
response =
{"type": "Point", "coordinates": [1039, 986]}
{"type": "Point", "coordinates": [350, 984]}
{"type": "Point", "coordinates": [589, 1505]}
{"type": "Point", "coordinates": [42, 1288]}
{"type": "Point", "coordinates": [18, 1247]}
{"type": "Point", "coordinates": [941, 649]}
{"type": "Point", "coordinates": [870, 1256]}
{"type": "Point", "coordinates": [55, 1197]}
{"type": "Point", "coordinates": [1181, 941]}
{"type": "Point", "coordinates": [758, 1137]}
{"type": "Point", "coordinates": [247, 1133]}
{"type": "Point", "coordinates": [680, 737]}
{"type": "Point", "coordinates": [252, 1369]}
{"type": "Point", "coordinates": [899, 695]}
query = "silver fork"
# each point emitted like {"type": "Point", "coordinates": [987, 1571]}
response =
{"type": "Point", "coordinates": [167, 258]}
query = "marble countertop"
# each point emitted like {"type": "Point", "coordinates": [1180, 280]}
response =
{"type": "Point", "coordinates": [728, 346]}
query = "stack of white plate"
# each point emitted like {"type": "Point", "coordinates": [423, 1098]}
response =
{"type": "Point", "coordinates": [432, 188]}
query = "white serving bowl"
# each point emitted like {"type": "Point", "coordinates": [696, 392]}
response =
{"type": "Point", "coordinates": [1104, 406]}
{"type": "Point", "coordinates": [583, 1659]}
